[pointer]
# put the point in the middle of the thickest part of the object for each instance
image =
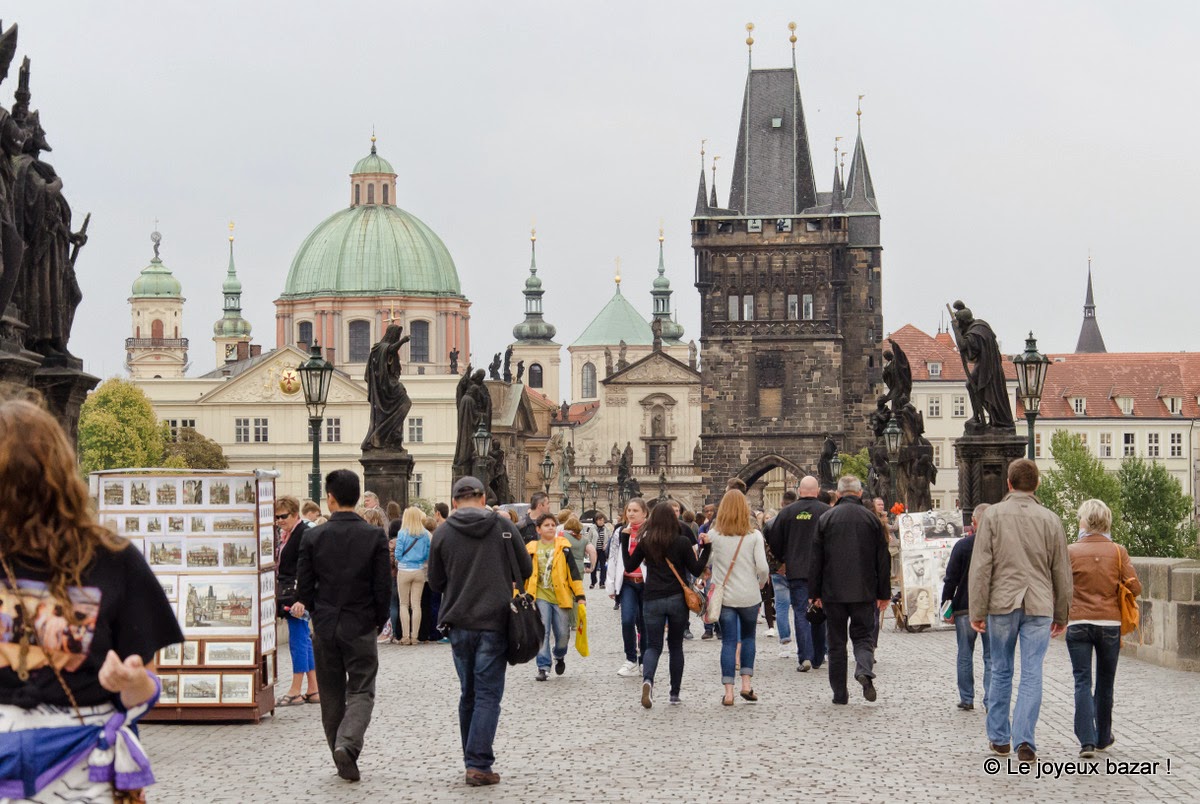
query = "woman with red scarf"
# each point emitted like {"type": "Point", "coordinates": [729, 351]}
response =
{"type": "Point", "coordinates": [627, 587]}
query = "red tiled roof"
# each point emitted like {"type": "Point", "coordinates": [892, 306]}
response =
{"type": "Point", "coordinates": [923, 349]}
{"type": "Point", "coordinates": [1148, 377]}
{"type": "Point", "coordinates": [578, 413]}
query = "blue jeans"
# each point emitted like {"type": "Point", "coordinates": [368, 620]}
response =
{"type": "Point", "coordinates": [554, 620]}
{"type": "Point", "coordinates": [672, 613]}
{"type": "Point", "coordinates": [783, 602]}
{"type": "Point", "coordinates": [737, 625]}
{"type": "Point", "coordinates": [480, 659]}
{"type": "Point", "coordinates": [1003, 631]}
{"type": "Point", "coordinates": [966, 659]}
{"type": "Point", "coordinates": [1093, 710]}
{"type": "Point", "coordinates": [633, 626]}
{"type": "Point", "coordinates": [300, 645]}
{"type": "Point", "coordinates": [394, 611]}
{"type": "Point", "coordinates": [810, 640]}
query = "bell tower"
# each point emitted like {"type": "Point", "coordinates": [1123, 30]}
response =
{"type": "Point", "coordinates": [156, 348]}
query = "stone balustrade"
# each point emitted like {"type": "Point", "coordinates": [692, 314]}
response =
{"type": "Point", "coordinates": [1169, 633]}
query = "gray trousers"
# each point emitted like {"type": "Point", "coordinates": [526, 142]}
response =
{"type": "Point", "coordinates": [346, 669]}
{"type": "Point", "coordinates": [859, 620]}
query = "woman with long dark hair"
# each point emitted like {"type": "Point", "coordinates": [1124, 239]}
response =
{"type": "Point", "coordinates": [667, 556]}
{"type": "Point", "coordinates": [625, 586]}
{"type": "Point", "coordinates": [55, 556]}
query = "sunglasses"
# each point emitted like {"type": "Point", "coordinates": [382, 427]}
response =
{"type": "Point", "coordinates": [281, 516]}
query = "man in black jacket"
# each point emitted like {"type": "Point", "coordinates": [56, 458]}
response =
{"type": "Point", "coordinates": [344, 579]}
{"type": "Point", "coordinates": [471, 563]}
{"type": "Point", "coordinates": [957, 582]}
{"type": "Point", "coordinates": [790, 538]}
{"type": "Point", "coordinates": [539, 504]}
{"type": "Point", "coordinates": [849, 578]}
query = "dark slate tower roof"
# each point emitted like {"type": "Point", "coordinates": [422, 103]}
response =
{"type": "Point", "coordinates": [702, 196]}
{"type": "Point", "coordinates": [1090, 339]}
{"type": "Point", "coordinates": [860, 188]}
{"type": "Point", "coordinates": [772, 170]}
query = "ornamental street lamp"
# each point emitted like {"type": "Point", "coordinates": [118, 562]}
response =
{"type": "Point", "coordinates": [612, 497]}
{"type": "Point", "coordinates": [594, 486]}
{"type": "Point", "coordinates": [316, 375]}
{"type": "Point", "coordinates": [835, 463]}
{"type": "Point", "coordinates": [662, 484]}
{"type": "Point", "coordinates": [1031, 379]}
{"type": "Point", "coordinates": [547, 471]}
{"type": "Point", "coordinates": [482, 440]}
{"type": "Point", "coordinates": [565, 483]}
{"type": "Point", "coordinates": [891, 437]}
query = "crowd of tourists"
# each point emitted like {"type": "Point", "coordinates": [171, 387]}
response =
{"type": "Point", "coordinates": [818, 570]}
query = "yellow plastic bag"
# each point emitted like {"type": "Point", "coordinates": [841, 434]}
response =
{"type": "Point", "coordinates": [581, 643]}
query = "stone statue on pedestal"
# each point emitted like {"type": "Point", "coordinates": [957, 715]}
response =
{"type": "Point", "coordinates": [474, 408]}
{"type": "Point", "coordinates": [386, 394]}
{"type": "Point", "coordinates": [499, 485]}
{"type": "Point", "coordinates": [520, 369]}
{"type": "Point", "coordinates": [508, 375]}
{"type": "Point", "coordinates": [453, 361]}
{"type": "Point", "coordinates": [825, 464]}
{"type": "Point", "coordinates": [608, 362]}
{"type": "Point", "coordinates": [986, 385]}
{"type": "Point", "coordinates": [494, 367]}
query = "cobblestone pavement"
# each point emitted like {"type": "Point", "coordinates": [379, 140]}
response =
{"type": "Point", "coordinates": [584, 736]}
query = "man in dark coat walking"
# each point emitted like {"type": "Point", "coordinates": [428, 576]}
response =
{"type": "Point", "coordinates": [849, 579]}
{"type": "Point", "coordinates": [790, 538]}
{"type": "Point", "coordinates": [345, 580]}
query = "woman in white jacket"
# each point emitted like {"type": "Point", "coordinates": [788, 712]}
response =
{"type": "Point", "coordinates": [627, 587]}
{"type": "Point", "coordinates": [739, 566]}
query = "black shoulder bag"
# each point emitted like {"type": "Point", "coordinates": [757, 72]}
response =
{"type": "Point", "coordinates": [525, 630]}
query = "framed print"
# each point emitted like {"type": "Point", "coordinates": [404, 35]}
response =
{"type": "Point", "coordinates": [170, 586]}
{"type": "Point", "coordinates": [200, 688]}
{"type": "Point", "coordinates": [203, 554]}
{"type": "Point", "coordinates": [266, 545]}
{"type": "Point", "coordinates": [237, 688]}
{"type": "Point", "coordinates": [239, 553]}
{"type": "Point", "coordinates": [267, 641]}
{"type": "Point", "coordinates": [269, 669]}
{"type": "Point", "coordinates": [175, 524]}
{"type": "Point", "coordinates": [218, 492]}
{"type": "Point", "coordinates": [197, 524]}
{"type": "Point", "coordinates": [224, 524]}
{"type": "Point", "coordinates": [266, 513]}
{"type": "Point", "coordinates": [218, 605]}
{"type": "Point", "coordinates": [153, 523]}
{"type": "Point", "coordinates": [266, 610]}
{"type": "Point", "coordinates": [193, 492]}
{"type": "Point", "coordinates": [164, 553]}
{"type": "Point", "coordinates": [171, 656]}
{"type": "Point", "coordinates": [238, 654]}
{"type": "Point", "coordinates": [139, 492]}
{"type": "Point", "coordinates": [266, 491]}
{"type": "Point", "coordinates": [131, 524]}
{"type": "Point", "coordinates": [166, 492]}
{"type": "Point", "coordinates": [113, 492]}
{"type": "Point", "coordinates": [266, 584]}
{"type": "Point", "coordinates": [191, 654]}
{"type": "Point", "coordinates": [243, 492]}
{"type": "Point", "coordinates": [170, 688]}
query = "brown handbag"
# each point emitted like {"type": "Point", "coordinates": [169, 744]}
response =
{"type": "Point", "coordinates": [1127, 600]}
{"type": "Point", "coordinates": [690, 597]}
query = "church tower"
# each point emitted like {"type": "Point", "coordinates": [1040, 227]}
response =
{"type": "Point", "coordinates": [156, 349]}
{"type": "Point", "coordinates": [672, 330]}
{"type": "Point", "coordinates": [231, 329]}
{"type": "Point", "coordinates": [534, 342]}
{"type": "Point", "coordinates": [1090, 340]}
{"type": "Point", "coordinates": [789, 280]}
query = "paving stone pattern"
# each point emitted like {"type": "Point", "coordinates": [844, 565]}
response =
{"type": "Point", "coordinates": [585, 737]}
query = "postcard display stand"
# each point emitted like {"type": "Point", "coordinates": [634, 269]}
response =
{"type": "Point", "coordinates": [926, 540]}
{"type": "Point", "coordinates": [210, 539]}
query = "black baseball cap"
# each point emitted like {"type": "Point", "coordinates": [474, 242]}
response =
{"type": "Point", "coordinates": [467, 486]}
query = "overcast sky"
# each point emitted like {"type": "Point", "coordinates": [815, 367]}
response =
{"type": "Point", "coordinates": [1005, 139]}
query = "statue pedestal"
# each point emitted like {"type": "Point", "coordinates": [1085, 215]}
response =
{"type": "Point", "coordinates": [983, 461]}
{"type": "Point", "coordinates": [65, 389]}
{"type": "Point", "coordinates": [17, 364]}
{"type": "Point", "coordinates": [387, 473]}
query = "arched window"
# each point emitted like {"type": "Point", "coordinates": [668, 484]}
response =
{"type": "Point", "coordinates": [370, 193]}
{"type": "Point", "coordinates": [304, 333]}
{"type": "Point", "coordinates": [385, 193]}
{"type": "Point", "coordinates": [418, 347]}
{"type": "Point", "coordinates": [156, 329]}
{"type": "Point", "coordinates": [588, 380]}
{"type": "Point", "coordinates": [535, 375]}
{"type": "Point", "coordinates": [360, 341]}
{"type": "Point", "coordinates": [357, 194]}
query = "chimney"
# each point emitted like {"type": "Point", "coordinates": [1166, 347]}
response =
{"type": "Point", "coordinates": [255, 349]}
{"type": "Point", "coordinates": [243, 351]}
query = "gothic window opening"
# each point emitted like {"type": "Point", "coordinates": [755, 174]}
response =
{"type": "Point", "coordinates": [360, 341]}
{"type": "Point", "coordinates": [588, 381]}
{"type": "Point", "coordinates": [770, 379]}
{"type": "Point", "coordinates": [535, 376]}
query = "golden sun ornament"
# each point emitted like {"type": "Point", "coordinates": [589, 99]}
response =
{"type": "Point", "coordinates": [289, 381]}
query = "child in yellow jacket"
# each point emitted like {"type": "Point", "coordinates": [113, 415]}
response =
{"type": "Point", "coordinates": [556, 586]}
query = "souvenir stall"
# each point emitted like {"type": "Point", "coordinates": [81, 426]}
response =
{"type": "Point", "coordinates": [209, 537]}
{"type": "Point", "coordinates": [926, 540]}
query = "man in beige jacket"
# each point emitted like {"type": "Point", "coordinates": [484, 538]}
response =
{"type": "Point", "coordinates": [1020, 589]}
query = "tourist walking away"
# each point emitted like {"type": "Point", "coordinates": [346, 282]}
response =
{"type": "Point", "coordinates": [956, 590]}
{"type": "Point", "coordinates": [539, 506]}
{"type": "Point", "coordinates": [83, 616]}
{"type": "Point", "coordinates": [344, 580]}
{"type": "Point", "coordinates": [848, 578]}
{"type": "Point", "coordinates": [627, 586]}
{"type": "Point", "coordinates": [668, 557]}
{"type": "Point", "coordinates": [1098, 568]}
{"type": "Point", "coordinates": [557, 586]}
{"type": "Point", "coordinates": [791, 538]}
{"type": "Point", "coordinates": [1020, 589]}
{"type": "Point", "coordinates": [304, 666]}
{"type": "Point", "coordinates": [600, 563]}
{"type": "Point", "coordinates": [583, 552]}
{"type": "Point", "coordinates": [470, 564]}
{"type": "Point", "coordinates": [412, 559]}
{"type": "Point", "coordinates": [739, 567]}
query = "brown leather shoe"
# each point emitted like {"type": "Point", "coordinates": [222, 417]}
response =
{"type": "Point", "coordinates": [1000, 750]}
{"type": "Point", "coordinates": [1025, 753]}
{"type": "Point", "coordinates": [478, 778]}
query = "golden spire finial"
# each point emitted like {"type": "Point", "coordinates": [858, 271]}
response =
{"type": "Point", "coordinates": [372, 133]}
{"type": "Point", "coordinates": [618, 276]}
{"type": "Point", "coordinates": [702, 144]}
{"type": "Point", "coordinates": [231, 231]}
{"type": "Point", "coordinates": [714, 168]}
{"type": "Point", "coordinates": [392, 317]}
{"type": "Point", "coordinates": [859, 112]}
{"type": "Point", "coordinates": [836, 140]}
{"type": "Point", "coordinates": [660, 230]}
{"type": "Point", "coordinates": [843, 155]}
{"type": "Point", "coordinates": [533, 234]}
{"type": "Point", "coordinates": [792, 38]}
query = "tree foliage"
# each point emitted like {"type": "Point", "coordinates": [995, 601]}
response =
{"type": "Point", "coordinates": [118, 429]}
{"type": "Point", "coordinates": [1079, 476]}
{"type": "Point", "coordinates": [192, 450]}
{"type": "Point", "coordinates": [1156, 516]}
{"type": "Point", "coordinates": [857, 464]}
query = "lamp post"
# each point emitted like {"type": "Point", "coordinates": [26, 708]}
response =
{"type": "Point", "coordinates": [1031, 379]}
{"type": "Point", "coordinates": [483, 445]}
{"type": "Point", "coordinates": [565, 483]}
{"type": "Point", "coordinates": [662, 484]}
{"type": "Point", "coordinates": [891, 437]}
{"type": "Point", "coordinates": [835, 463]}
{"type": "Point", "coordinates": [547, 471]}
{"type": "Point", "coordinates": [612, 496]}
{"type": "Point", "coordinates": [594, 486]}
{"type": "Point", "coordinates": [316, 374]}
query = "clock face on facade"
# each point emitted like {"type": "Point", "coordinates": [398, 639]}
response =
{"type": "Point", "coordinates": [289, 381]}
{"type": "Point", "coordinates": [230, 350]}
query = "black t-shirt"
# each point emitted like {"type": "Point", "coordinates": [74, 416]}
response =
{"type": "Point", "coordinates": [121, 606]}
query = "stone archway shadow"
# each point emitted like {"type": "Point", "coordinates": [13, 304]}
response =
{"type": "Point", "coordinates": [751, 472]}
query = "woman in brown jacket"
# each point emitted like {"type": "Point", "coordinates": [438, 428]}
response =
{"type": "Point", "coordinates": [1097, 565]}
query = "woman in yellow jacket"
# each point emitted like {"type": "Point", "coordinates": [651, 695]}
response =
{"type": "Point", "coordinates": [556, 586]}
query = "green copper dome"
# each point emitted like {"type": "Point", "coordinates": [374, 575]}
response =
{"type": "Point", "coordinates": [232, 325]}
{"type": "Point", "coordinates": [155, 282]}
{"type": "Point", "coordinates": [373, 163]}
{"type": "Point", "coordinates": [617, 322]}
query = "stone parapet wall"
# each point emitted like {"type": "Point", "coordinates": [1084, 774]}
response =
{"type": "Point", "coordinates": [1169, 634]}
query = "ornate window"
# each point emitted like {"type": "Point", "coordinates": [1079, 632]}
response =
{"type": "Point", "coordinates": [588, 381]}
{"type": "Point", "coordinates": [808, 307]}
{"type": "Point", "coordinates": [535, 375]}
{"type": "Point", "coordinates": [156, 329]}
{"type": "Point", "coordinates": [793, 307]}
{"type": "Point", "coordinates": [360, 341]}
{"type": "Point", "coordinates": [304, 333]}
{"type": "Point", "coordinates": [418, 347]}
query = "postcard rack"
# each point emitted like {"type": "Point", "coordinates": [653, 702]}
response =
{"type": "Point", "coordinates": [209, 537]}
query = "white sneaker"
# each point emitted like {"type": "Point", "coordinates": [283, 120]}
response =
{"type": "Point", "coordinates": [628, 669]}
{"type": "Point", "coordinates": [770, 632]}
{"type": "Point", "coordinates": [786, 652]}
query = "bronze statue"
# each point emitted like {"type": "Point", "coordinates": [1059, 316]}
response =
{"type": "Point", "coordinates": [656, 329]}
{"type": "Point", "coordinates": [386, 394]}
{"type": "Point", "coordinates": [508, 375]}
{"type": "Point", "coordinates": [520, 369]}
{"type": "Point", "coordinates": [494, 367]}
{"type": "Point", "coordinates": [825, 464]}
{"type": "Point", "coordinates": [897, 373]}
{"type": "Point", "coordinates": [453, 361]}
{"type": "Point", "coordinates": [569, 458]}
{"type": "Point", "coordinates": [12, 145]}
{"type": "Point", "coordinates": [921, 476]}
{"type": "Point", "coordinates": [986, 385]}
{"type": "Point", "coordinates": [499, 483]}
{"type": "Point", "coordinates": [474, 408]}
{"type": "Point", "coordinates": [627, 455]}
{"type": "Point", "coordinates": [614, 456]}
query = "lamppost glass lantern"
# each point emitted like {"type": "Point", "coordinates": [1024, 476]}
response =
{"type": "Point", "coordinates": [316, 375]}
{"type": "Point", "coordinates": [547, 470]}
{"type": "Point", "coordinates": [891, 437]}
{"type": "Point", "coordinates": [1031, 380]}
{"type": "Point", "coordinates": [835, 463]}
{"type": "Point", "coordinates": [483, 442]}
